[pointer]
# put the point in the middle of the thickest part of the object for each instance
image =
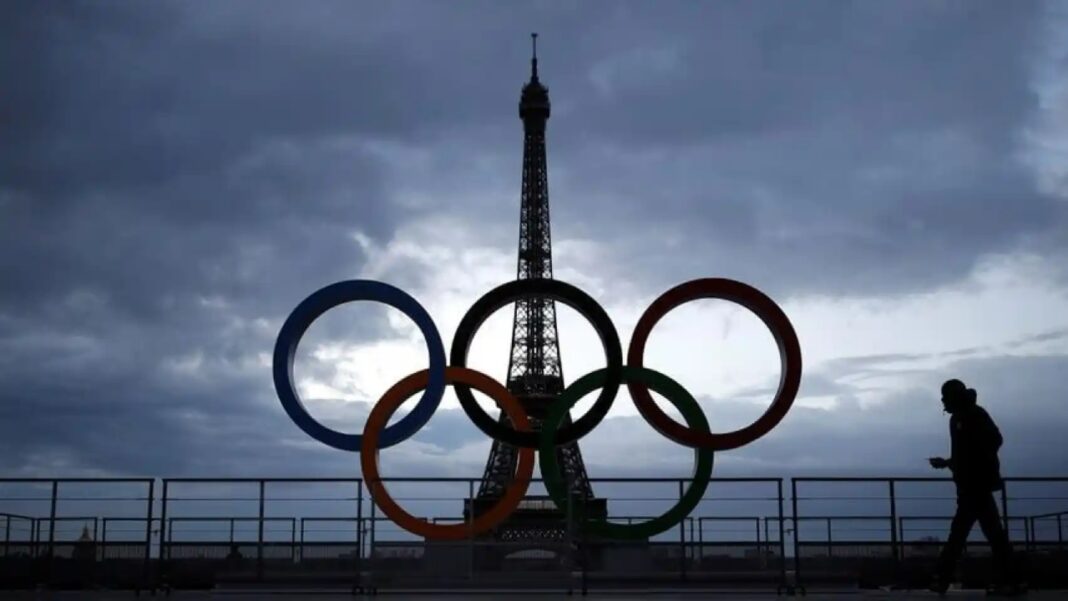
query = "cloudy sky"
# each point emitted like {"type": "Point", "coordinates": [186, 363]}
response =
{"type": "Point", "coordinates": [175, 178]}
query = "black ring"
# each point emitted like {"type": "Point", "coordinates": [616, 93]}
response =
{"type": "Point", "coordinates": [577, 300]}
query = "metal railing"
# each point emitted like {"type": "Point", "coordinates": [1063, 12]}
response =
{"type": "Point", "coordinates": [169, 569]}
{"type": "Point", "coordinates": [884, 554]}
{"type": "Point", "coordinates": [40, 564]}
{"type": "Point", "coordinates": [202, 532]}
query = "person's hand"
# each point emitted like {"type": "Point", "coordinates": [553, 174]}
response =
{"type": "Point", "coordinates": [939, 462]}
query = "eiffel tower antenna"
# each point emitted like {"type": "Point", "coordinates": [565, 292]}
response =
{"type": "Point", "coordinates": [534, 57]}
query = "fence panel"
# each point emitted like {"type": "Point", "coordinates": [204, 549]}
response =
{"type": "Point", "coordinates": [898, 546]}
{"type": "Point", "coordinates": [54, 532]}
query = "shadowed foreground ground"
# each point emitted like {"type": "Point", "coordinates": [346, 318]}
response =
{"type": "Point", "coordinates": [690, 596]}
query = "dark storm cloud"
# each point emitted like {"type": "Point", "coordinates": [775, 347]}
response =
{"type": "Point", "coordinates": [166, 196]}
{"type": "Point", "coordinates": [114, 95]}
{"type": "Point", "coordinates": [742, 69]}
{"type": "Point", "coordinates": [825, 147]}
{"type": "Point", "coordinates": [173, 180]}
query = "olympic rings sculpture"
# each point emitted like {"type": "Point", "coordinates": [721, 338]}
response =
{"type": "Point", "coordinates": [431, 382]}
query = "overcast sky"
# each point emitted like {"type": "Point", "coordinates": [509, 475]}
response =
{"type": "Point", "coordinates": [176, 177]}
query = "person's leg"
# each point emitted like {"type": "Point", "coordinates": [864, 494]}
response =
{"type": "Point", "coordinates": [958, 535]}
{"type": "Point", "coordinates": [1000, 547]}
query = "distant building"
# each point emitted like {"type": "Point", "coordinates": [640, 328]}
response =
{"type": "Point", "coordinates": [85, 546]}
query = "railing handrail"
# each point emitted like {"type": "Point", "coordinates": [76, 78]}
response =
{"type": "Point", "coordinates": [620, 479]}
{"type": "Point", "coordinates": [918, 478]}
{"type": "Point", "coordinates": [4, 480]}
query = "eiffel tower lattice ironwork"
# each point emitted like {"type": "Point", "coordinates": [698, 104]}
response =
{"type": "Point", "coordinates": [535, 374]}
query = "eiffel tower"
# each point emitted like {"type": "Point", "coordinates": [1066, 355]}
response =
{"type": "Point", "coordinates": [535, 375]}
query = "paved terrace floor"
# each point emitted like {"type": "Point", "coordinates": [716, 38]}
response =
{"type": "Point", "coordinates": [725, 595]}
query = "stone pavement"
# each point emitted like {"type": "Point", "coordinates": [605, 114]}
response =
{"type": "Point", "coordinates": [723, 595]}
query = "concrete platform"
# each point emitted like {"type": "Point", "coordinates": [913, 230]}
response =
{"type": "Point", "coordinates": [724, 595]}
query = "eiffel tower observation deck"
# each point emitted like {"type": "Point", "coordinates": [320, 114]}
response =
{"type": "Point", "coordinates": [535, 374]}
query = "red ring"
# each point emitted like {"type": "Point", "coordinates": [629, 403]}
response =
{"type": "Point", "coordinates": [764, 308]}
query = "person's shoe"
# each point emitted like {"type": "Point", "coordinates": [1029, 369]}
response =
{"type": "Point", "coordinates": [939, 585]}
{"type": "Point", "coordinates": [1006, 590]}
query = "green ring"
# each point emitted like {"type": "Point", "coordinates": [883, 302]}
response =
{"type": "Point", "coordinates": [554, 478]}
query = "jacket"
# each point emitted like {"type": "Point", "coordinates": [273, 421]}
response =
{"type": "Point", "coordinates": [975, 441]}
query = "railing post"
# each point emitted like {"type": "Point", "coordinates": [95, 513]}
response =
{"type": "Point", "coordinates": [682, 539]}
{"type": "Point", "coordinates": [293, 539]}
{"type": "Point", "coordinates": [569, 546]}
{"type": "Point", "coordinates": [759, 543]}
{"type": "Point", "coordinates": [161, 561]}
{"type": "Point", "coordinates": [1060, 534]}
{"type": "Point", "coordinates": [300, 552]}
{"type": "Point", "coordinates": [797, 534]}
{"type": "Point", "coordinates": [830, 545]}
{"type": "Point", "coordinates": [471, 530]}
{"type": "Point", "coordinates": [583, 550]}
{"type": "Point", "coordinates": [371, 546]}
{"type": "Point", "coordinates": [52, 529]}
{"type": "Point", "coordinates": [895, 550]}
{"type": "Point", "coordinates": [767, 537]}
{"type": "Point", "coordinates": [7, 534]}
{"type": "Point", "coordinates": [359, 533]}
{"type": "Point", "coordinates": [1005, 506]}
{"type": "Point", "coordinates": [259, 541]}
{"type": "Point", "coordinates": [146, 569]}
{"type": "Point", "coordinates": [692, 538]}
{"type": "Point", "coordinates": [1029, 528]}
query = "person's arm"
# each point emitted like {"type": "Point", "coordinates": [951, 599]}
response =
{"type": "Point", "coordinates": [940, 463]}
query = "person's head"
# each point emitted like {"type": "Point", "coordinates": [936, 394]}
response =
{"type": "Point", "coordinates": [956, 396]}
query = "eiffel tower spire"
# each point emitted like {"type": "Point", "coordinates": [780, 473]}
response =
{"type": "Point", "coordinates": [535, 374]}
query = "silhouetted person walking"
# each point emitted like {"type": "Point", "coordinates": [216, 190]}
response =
{"type": "Point", "coordinates": [975, 441]}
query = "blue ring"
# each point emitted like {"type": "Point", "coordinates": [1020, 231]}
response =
{"type": "Point", "coordinates": [321, 301]}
